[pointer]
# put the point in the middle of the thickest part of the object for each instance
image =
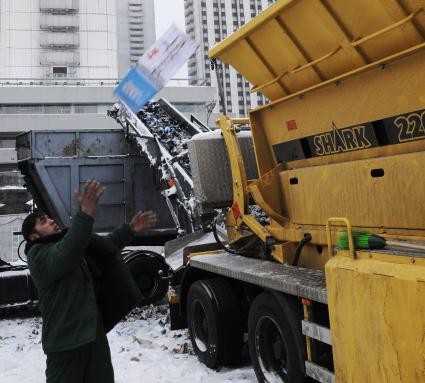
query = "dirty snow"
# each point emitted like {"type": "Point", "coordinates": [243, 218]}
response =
{"type": "Point", "coordinates": [143, 350]}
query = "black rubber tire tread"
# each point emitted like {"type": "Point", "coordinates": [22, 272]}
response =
{"type": "Point", "coordinates": [224, 320]}
{"type": "Point", "coordinates": [146, 264]}
{"type": "Point", "coordinates": [287, 314]}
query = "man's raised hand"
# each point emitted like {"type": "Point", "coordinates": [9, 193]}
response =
{"type": "Point", "coordinates": [89, 197]}
{"type": "Point", "coordinates": [143, 220]}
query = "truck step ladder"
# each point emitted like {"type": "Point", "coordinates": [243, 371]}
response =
{"type": "Point", "coordinates": [319, 373]}
{"type": "Point", "coordinates": [321, 334]}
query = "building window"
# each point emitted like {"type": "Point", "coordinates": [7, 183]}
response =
{"type": "Point", "coordinates": [60, 71]}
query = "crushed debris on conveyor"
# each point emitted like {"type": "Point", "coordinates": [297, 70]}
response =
{"type": "Point", "coordinates": [171, 132]}
{"type": "Point", "coordinates": [259, 214]}
{"type": "Point", "coordinates": [162, 133]}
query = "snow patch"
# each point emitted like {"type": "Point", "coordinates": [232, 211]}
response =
{"type": "Point", "coordinates": [143, 349]}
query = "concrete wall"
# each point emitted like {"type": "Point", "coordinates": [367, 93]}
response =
{"type": "Point", "coordinates": [56, 94]}
{"type": "Point", "coordinates": [15, 123]}
{"type": "Point", "coordinates": [199, 96]}
{"type": "Point", "coordinates": [98, 39]}
{"type": "Point", "coordinates": [36, 94]}
{"type": "Point", "coordinates": [123, 38]}
{"type": "Point", "coordinates": [21, 35]}
{"type": "Point", "coordinates": [12, 124]}
{"type": "Point", "coordinates": [149, 23]}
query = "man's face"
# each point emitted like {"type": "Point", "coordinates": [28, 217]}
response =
{"type": "Point", "coordinates": [45, 226]}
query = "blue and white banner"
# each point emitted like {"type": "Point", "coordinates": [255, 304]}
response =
{"type": "Point", "coordinates": [136, 89]}
{"type": "Point", "coordinates": [163, 59]}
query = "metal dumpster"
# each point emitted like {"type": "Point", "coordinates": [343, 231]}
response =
{"type": "Point", "coordinates": [56, 163]}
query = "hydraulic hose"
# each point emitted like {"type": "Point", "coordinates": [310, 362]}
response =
{"type": "Point", "coordinates": [306, 239]}
{"type": "Point", "coordinates": [245, 250]}
{"type": "Point", "coordinates": [221, 244]}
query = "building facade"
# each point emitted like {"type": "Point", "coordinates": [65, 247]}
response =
{"type": "Point", "coordinates": [210, 21]}
{"type": "Point", "coordinates": [73, 38]}
{"type": "Point", "coordinates": [135, 31]}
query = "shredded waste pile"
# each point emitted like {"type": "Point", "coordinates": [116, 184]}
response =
{"type": "Point", "coordinates": [172, 133]}
{"type": "Point", "coordinates": [259, 214]}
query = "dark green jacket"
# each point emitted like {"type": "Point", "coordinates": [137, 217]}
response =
{"type": "Point", "coordinates": [76, 272]}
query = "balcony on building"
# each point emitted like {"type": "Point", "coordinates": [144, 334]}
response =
{"type": "Point", "coordinates": [60, 41]}
{"type": "Point", "coordinates": [59, 23]}
{"type": "Point", "coordinates": [59, 7]}
{"type": "Point", "coordinates": [60, 58]}
{"type": "Point", "coordinates": [137, 39]}
{"type": "Point", "coordinates": [135, 5]}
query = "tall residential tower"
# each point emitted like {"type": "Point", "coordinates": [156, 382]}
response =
{"type": "Point", "coordinates": [136, 31]}
{"type": "Point", "coordinates": [73, 38]}
{"type": "Point", "coordinates": [210, 21]}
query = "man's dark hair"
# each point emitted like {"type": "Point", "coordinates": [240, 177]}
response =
{"type": "Point", "coordinates": [28, 226]}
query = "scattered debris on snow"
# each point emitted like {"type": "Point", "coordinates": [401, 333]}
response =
{"type": "Point", "coordinates": [142, 346]}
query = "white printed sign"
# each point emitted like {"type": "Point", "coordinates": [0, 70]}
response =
{"type": "Point", "coordinates": [155, 68]}
{"type": "Point", "coordinates": [167, 55]}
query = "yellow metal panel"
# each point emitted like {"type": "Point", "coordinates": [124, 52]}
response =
{"type": "Point", "coordinates": [289, 57]}
{"type": "Point", "coordinates": [294, 33]}
{"type": "Point", "coordinates": [348, 189]}
{"type": "Point", "coordinates": [377, 318]}
{"type": "Point", "coordinates": [373, 95]}
{"type": "Point", "coordinates": [316, 40]}
{"type": "Point", "coordinates": [254, 66]}
{"type": "Point", "coordinates": [378, 15]}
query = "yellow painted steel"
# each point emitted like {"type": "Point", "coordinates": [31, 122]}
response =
{"type": "Point", "coordinates": [327, 65]}
{"type": "Point", "coordinates": [173, 297]}
{"type": "Point", "coordinates": [377, 317]}
{"type": "Point", "coordinates": [394, 200]}
{"type": "Point", "coordinates": [308, 341]}
{"type": "Point", "coordinates": [339, 184]}
{"type": "Point", "coordinates": [240, 186]}
{"type": "Point", "coordinates": [371, 96]}
{"type": "Point", "coordinates": [295, 45]}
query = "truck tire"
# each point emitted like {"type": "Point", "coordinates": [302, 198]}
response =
{"type": "Point", "coordinates": [145, 267]}
{"type": "Point", "coordinates": [214, 322]}
{"type": "Point", "coordinates": [275, 339]}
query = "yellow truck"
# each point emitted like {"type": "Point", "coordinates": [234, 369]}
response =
{"type": "Point", "coordinates": [339, 147]}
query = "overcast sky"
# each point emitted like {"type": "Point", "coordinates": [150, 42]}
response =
{"type": "Point", "coordinates": [168, 12]}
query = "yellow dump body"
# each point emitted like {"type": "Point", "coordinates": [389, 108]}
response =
{"type": "Point", "coordinates": [300, 44]}
{"type": "Point", "coordinates": [346, 81]}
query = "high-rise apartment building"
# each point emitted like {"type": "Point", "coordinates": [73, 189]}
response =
{"type": "Point", "coordinates": [73, 38]}
{"type": "Point", "coordinates": [210, 21]}
{"type": "Point", "coordinates": [136, 31]}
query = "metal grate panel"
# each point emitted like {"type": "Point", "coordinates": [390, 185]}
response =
{"type": "Point", "coordinates": [292, 280]}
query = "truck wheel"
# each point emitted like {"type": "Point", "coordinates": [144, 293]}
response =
{"type": "Point", "coordinates": [214, 322]}
{"type": "Point", "coordinates": [275, 339]}
{"type": "Point", "coordinates": [145, 270]}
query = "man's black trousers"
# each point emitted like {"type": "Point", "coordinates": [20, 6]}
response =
{"type": "Point", "coordinates": [90, 363]}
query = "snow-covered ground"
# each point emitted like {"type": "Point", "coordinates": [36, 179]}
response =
{"type": "Point", "coordinates": [143, 350]}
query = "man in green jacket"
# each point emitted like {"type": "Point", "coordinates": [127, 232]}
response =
{"type": "Point", "coordinates": [71, 269]}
